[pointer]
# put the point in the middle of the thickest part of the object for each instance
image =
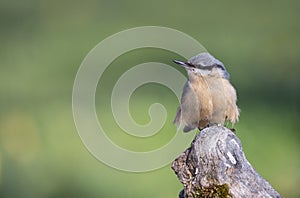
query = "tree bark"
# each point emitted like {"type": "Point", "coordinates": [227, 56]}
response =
{"type": "Point", "coordinates": [215, 166]}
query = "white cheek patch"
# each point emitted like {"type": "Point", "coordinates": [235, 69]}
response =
{"type": "Point", "coordinates": [202, 72]}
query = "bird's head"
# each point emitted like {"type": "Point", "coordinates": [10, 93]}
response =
{"type": "Point", "coordinates": [204, 64]}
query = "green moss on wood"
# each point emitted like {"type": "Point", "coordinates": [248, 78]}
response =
{"type": "Point", "coordinates": [216, 191]}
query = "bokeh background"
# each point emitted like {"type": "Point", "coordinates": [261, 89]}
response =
{"type": "Point", "coordinates": [42, 46]}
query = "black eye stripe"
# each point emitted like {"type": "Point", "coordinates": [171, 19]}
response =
{"type": "Point", "coordinates": [221, 67]}
{"type": "Point", "coordinates": [206, 67]}
{"type": "Point", "coordinates": [199, 66]}
{"type": "Point", "coordinates": [189, 64]}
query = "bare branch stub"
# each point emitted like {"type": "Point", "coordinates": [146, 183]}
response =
{"type": "Point", "coordinates": [215, 166]}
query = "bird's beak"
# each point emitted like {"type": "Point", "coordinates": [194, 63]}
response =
{"type": "Point", "coordinates": [186, 65]}
{"type": "Point", "coordinates": [179, 62]}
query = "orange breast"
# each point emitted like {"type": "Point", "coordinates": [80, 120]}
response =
{"type": "Point", "coordinates": [217, 99]}
{"type": "Point", "coordinates": [201, 87]}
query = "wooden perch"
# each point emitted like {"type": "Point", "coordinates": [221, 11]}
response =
{"type": "Point", "coordinates": [215, 166]}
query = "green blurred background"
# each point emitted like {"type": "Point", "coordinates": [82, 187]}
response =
{"type": "Point", "coordinates": [42, 46]}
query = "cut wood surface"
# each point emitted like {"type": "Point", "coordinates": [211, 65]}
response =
{"type": "Point", "coordinates": [215, 166]}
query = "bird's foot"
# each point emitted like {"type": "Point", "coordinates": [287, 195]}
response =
{"type": "Point", "coordinates": [233, 130]}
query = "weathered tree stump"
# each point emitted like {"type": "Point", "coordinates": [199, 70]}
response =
{"type": "Point", "coordinates": [215, 166]}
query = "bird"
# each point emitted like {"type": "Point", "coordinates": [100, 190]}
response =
{"type": "Point", "coordinates": [208, 97]}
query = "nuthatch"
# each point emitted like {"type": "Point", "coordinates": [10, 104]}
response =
{"type": "Point", "coordinates": [208, 97]}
